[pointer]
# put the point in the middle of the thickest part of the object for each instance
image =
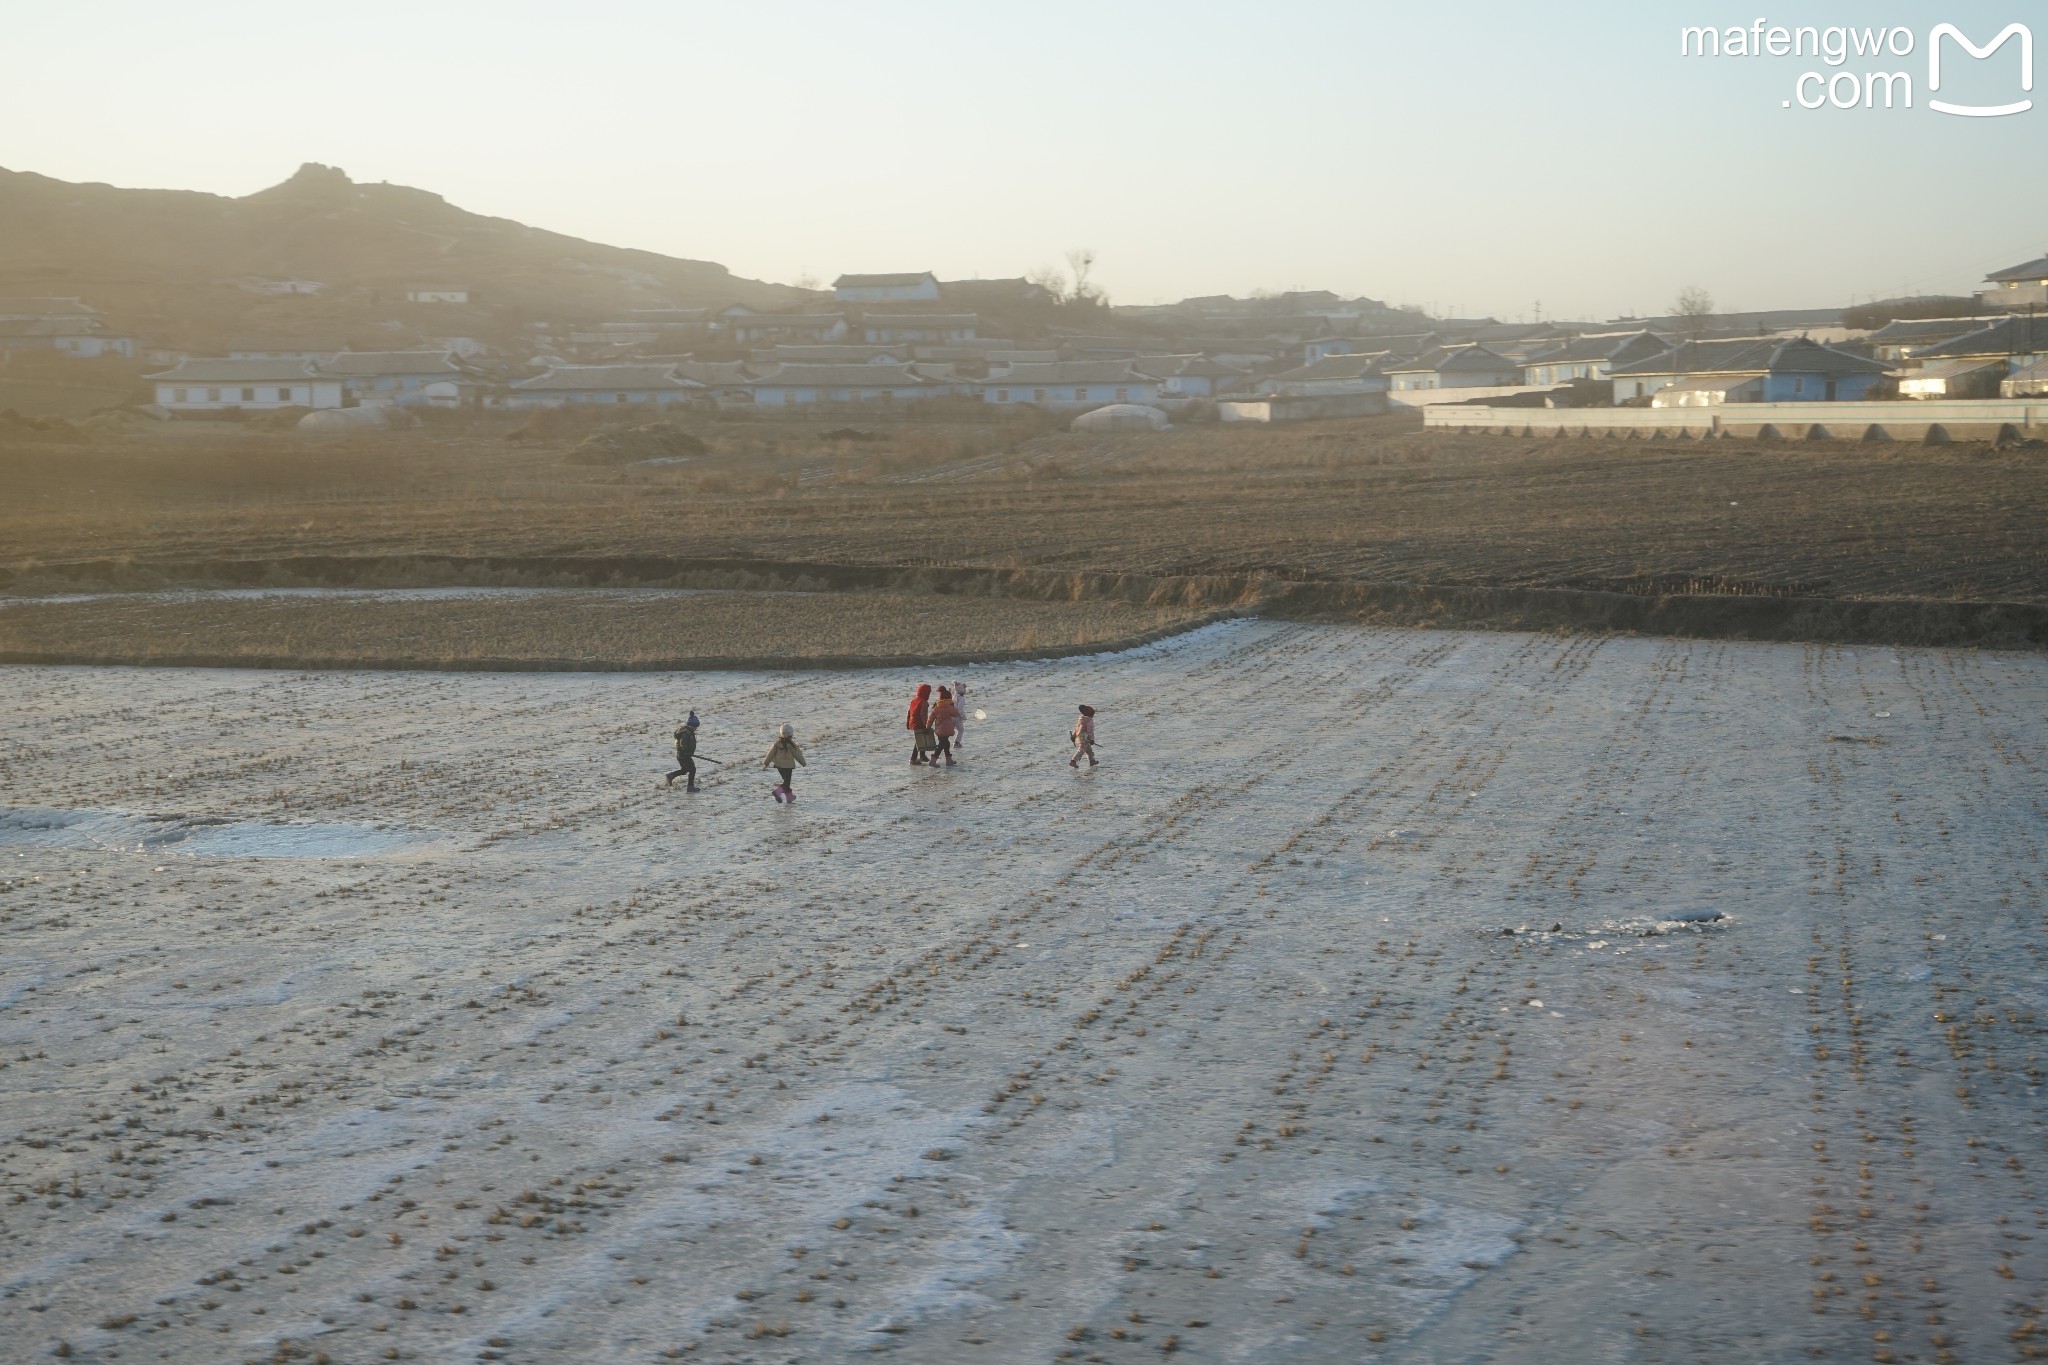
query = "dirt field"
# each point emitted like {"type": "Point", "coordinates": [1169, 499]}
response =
{"type": "Point", "coordinates": [1367, 1003]}
{"type": "Point", "coordinates": [1371, 499]}
{"type": "Point", "coordinates": [467, 628]}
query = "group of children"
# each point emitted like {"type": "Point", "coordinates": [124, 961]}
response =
{"type": "Point", "coordinates": [938, 726]}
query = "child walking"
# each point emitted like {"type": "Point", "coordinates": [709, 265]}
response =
{"type": "Point", "coordinates": [960, 726]}
{"type": "Point", "coordinates": [686, 755]}
{"type": "Point", "coordinates": [785, 758]}
{"type": "Point", "coordinates": [1083, 735]}
{"type": "Point", "coordinates": [919, 723]}
{"type": "Point", "coordinates": [945, 724]}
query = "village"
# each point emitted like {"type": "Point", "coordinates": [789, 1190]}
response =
{"type": "Point", "coordinates": [901, 343]}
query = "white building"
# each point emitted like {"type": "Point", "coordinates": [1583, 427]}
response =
{"type": "Point", "coordinates": [216, 385]}
{"type": "Point", "coordinates": [436, 293]}
{"type": "Point", "coordinates": [920, 287]}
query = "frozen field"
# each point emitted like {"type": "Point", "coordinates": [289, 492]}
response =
{"type": "Point", "coordinates": [1367, 1003]}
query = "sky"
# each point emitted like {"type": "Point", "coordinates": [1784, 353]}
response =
{"type": "Point", "coordinates": [1483, 158]}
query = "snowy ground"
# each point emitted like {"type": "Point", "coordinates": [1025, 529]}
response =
{"type": "Point", "coordinates": [1223, 1050]}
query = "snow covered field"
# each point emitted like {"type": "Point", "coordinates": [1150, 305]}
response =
{"type": "Point", "coordinates": [1367, 1003]}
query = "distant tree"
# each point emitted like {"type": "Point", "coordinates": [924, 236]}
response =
{"type": "Point", "coordinates": [1048, 278]}
{"type": "Point", "coordinates": [808, 280]}
{"type": "Point", "coordinates": [1081, 260]}
{"type": "Point", "coordinates": [1693, 308]}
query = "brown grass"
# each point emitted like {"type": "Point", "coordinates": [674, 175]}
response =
{"type": "Point", "coordinates": [1371, 500]}
{"type": "Point", "coordinates": [562, 628]}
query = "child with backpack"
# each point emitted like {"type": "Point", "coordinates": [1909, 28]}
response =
{"type": "Point", "coordinates": [785, 757]}
{"type": "Point", "coordinates": [1083, 736]}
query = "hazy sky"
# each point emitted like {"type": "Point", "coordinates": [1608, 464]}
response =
{"type": "Point", "coordinates": [1481, 157]}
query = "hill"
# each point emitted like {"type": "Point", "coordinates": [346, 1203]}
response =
{"type": "Point", "coordinates": [191, 268]}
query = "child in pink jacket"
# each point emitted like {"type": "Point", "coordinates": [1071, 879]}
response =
{"type": "Point", "coordinates": [1083, 736]}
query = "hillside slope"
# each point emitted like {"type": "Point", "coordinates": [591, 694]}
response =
{"type": "Point", "coordinates": [179, 264]}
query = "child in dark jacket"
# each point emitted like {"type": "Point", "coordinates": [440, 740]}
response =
{"type": "Point", "coordinates": [686, 754]}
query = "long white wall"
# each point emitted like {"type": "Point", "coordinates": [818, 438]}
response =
{"type": "Point", "coordinates": [1794, 421]}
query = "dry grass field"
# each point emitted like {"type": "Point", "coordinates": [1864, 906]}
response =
{"type": "Point", "coordinates": [1373, 499]}
{"type": "Point", "coordinates": [563, 628]}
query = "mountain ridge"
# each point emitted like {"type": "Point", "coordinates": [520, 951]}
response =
{"type": "Point", "coordinates": [189, 267]}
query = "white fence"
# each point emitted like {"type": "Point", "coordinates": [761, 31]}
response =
{"type": "Point", "coordinates": [1958, 419]}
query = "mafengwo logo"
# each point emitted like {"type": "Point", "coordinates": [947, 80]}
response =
{"type": "Point", "coordinates": [1846, 49]}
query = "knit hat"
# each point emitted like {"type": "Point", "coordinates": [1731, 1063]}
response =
{"type": "Point", "coordinates": [789, 732]}
{"type": "Point", "coordinates": [1087, 710]}
{"type": "Point", "coordinates": [691, 723]}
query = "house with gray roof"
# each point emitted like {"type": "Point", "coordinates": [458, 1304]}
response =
{"type": "Point", "coordinates": [2021, 336]}
{"type": "Point", "coordinates": [1590, 357]}
{"type": "Point", "coordinates": [608, 385]}
{"type": "Point", "coordinates": [1749, 369]}
{"type": "Point", "coordinates": [392, 376]}
{"type": "Point", "coordinates": [767, 329]}
{"type": "Point", "coordinates": [1977, 363]}
{"type": "Point", "coordinates": [808, 385]}
{"type": "Point", "coordinates": [1897, 338]}
{"type": "Point", "coordinates": [1068, 385]}
{"type": "Point", "coordinates": [1364, 372]}
{"type": "Point", "coordinates": [1190, 376]}
{"type": "Point", "coordinates": [936, 329]}
{"type": "Point", "coordinates": [1470, 366]}
{"type": "Point", "coordinates": [2017, 286]}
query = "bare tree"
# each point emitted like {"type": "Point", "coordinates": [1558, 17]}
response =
{"type": "Point", "coordinates": [1081, 260]}
{"type": "Point", "coordinates": [1048, 278]}
{"type": "Point", "coordinates": [1693, 308]}
{"type": "Point", "coordinates": [807, 280]}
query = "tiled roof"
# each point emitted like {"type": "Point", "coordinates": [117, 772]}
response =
{"type": "Point", "coordinates": [787, 320]}
{"type": "Point", "coordinates": [368, 364]}
{"type": "Point", "coordinates": [213, 370]}
{"type": "Point", "coordinates": [1339, 367]}
{"type": "Point", "coordinates": [1602, 346]}
{"type": "Point", "coordinates": [1924, 331]}
{"type": "Point", "coordinates": [2008, 336]}
{"type": "Point", "coordinates": [17, 306]}
{"type": "Point", "coordinates": [882, 281]}
{"type": "Point", "coordinates": [53, 327]}
{"type": "Point", "coordinates": [595, 378]}
{"type": "Point", "coordinates": [1069, 372]}
{"type": "Point", "coordinates": [1753, 355]}
{"type": "Point", "coordinates": [1453, 358]}
{"type": "Point", "coordinates": [2036, 269]}
{"type": "Point", "coordinates": [842, 377]}
{"type": "Point", "coordinates": [920, 319]}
